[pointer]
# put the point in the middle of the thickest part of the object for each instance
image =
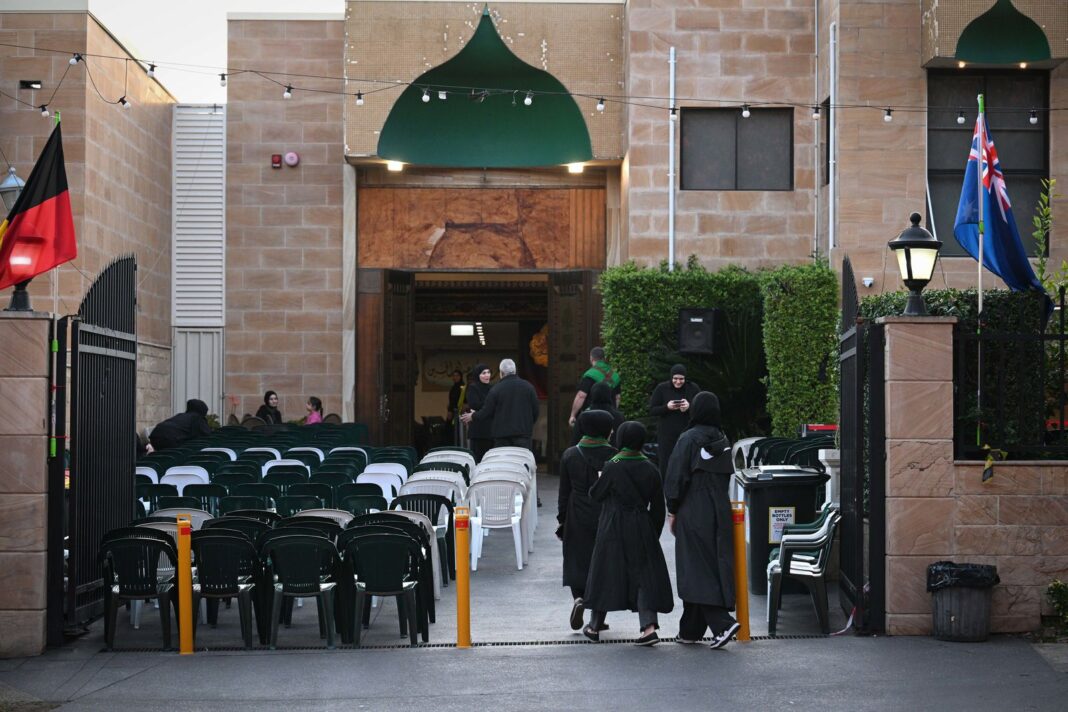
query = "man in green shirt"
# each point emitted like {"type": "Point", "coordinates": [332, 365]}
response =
{"type": "Point", "coordinates": [599, 371]}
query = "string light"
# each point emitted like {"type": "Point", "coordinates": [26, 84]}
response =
{"type": "Point", "coordinates": [674, 114]}
{"type": "Point", "coordinates": [359, 98]}
{"type": "Point", "coordinates": [123, 103]}
{"type": "Point", "coordinates": [889, 116]}
{"type": "Point", "coordinates": [1033, 118]}
{"type": "Point", "coordinates": [288, 93]}
{"type": "Point", "coordinates": [442, 95]}
{"type": "Point", "coordinates": [426, 95]}
{"type": "Point", "coordinates": [815, 113]}
{"type": "Point", "coordinates": [960, 117]}
{"type": "Point", "coordinates": [44, 110]}
{"type": "Point", "coordinates": [528, 99]}
{"type": "Point", "coordinates": [222, 79]}
{"type": "Point", "coordinates": [600, 105]}
{"type": "Point", "coordinates": [745, 111]}
{"type": "Point", "coordinates": [1023, 65]}
{"type": "Point", "coordinates": [151, 71]}
{"type": "Point", "coordinates": [75, 59]}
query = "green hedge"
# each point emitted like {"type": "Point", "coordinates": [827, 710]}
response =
{"type": "Point", "coordinates": [800, 344]}
{"type": "Point", "coordinates": [640, 332]}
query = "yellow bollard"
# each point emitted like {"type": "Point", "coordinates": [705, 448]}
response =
{"type": "Point", "coordinates": [741, 586]}
{"type": "Point", "coordinates": [462, 524]}
{"type": "Point", "coordinates": [185, 586]}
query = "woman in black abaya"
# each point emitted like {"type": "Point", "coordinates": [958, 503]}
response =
{"type": "Point", "coordinates": [627, 570]}
{"type": "Point", "coordinates": [699, 514]}
{"type": "Point", "coordinates": [478, 432]}
{"type": "Point", "coordinates": [670, 403]}
{"type": "Point", "coordinates": [577, 513]}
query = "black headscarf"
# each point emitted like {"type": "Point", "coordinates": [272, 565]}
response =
{"type": "Point", "coordinates": [704, 410]}
{"type": "Point", "coordinates": [601, 396]}
{"type": "Point", "coordinates": [477, 371]}
{"type": "Point", "coordinates": [195, 405]}
{"type": "Point", "coordinates": [595, 423]}
{"type": "Point", "coordinates": [678, 370]}
{"type": "Point", "coordinates": [631, 435]}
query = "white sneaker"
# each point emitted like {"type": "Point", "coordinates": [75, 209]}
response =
{"type": "Point", "coordinates": [723, 638]}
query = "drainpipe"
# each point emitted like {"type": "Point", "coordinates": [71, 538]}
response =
{"type": "Point", "coordinates": [816, 127]}
{"type": "Point", "coordinates": [671, 159]}
{"type": "Point", "coordinates": [832, 205]}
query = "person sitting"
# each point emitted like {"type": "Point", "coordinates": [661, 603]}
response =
{"type": "Point", "coordinates": [315, 411]}
{"type": "Point", "coordinates": [269, 412]}
{"type": "Point", "coordinates": [174, 431]}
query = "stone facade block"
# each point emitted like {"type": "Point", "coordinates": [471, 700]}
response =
{"type": "Point", "coordinates": [23, 633]}
{"type": "Point", "coordinates": [23, 522]}
{"type": "Point", "coordinates": [23, 465]}
{"type": "Point", "coordinates": [22, 580]}
{"type": "Point", "coordinates": [919, 352]}
{"type": "Point", "coordinates": [921, 410]}
{"type": "Point", "coordinates": [919, 526]}
{"type": "Point", "coordinates": [919, 468]}
{"type": "Point", "coordinates": [26, 406]}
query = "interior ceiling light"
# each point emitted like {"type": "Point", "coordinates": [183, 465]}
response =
{"type": "Point", "coordinates": [462, 329]}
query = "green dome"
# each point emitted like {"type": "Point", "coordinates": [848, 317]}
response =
{"type": "Point", "coordinates": [1003, 35]}
{"type": "Point", "coordinates": [488, 126]}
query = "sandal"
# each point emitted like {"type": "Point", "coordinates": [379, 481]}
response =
{"type": "Point", "coordinates": [592, 634]}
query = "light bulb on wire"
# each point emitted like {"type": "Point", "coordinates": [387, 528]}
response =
{"type": "Point", "coordinates": [1033, 118]}
{"type": "Point", "coordinates": [222, 80]}
{"type": "Point", "coordinates": [426, 96]}
{"type": "Point", "coordinates": [745, 111]}
{"type": "Point", "coordinates": [124, 103]}
{"type": "Point", "coordinates": [75, 59]}
{"type": "Point", "coordinates": [600, 105]}
{"type": "Point", "coordinates": [528, 99]}
{"type": "Point", "coordinates": [815, 113]}
{"type": "Point", "coordinates": [442, 95]}
{"type": "Point", "coordinates": [288, 93]}
{"type": "Point", "coordinates": [960, 118]}
{"type": "Point", "coordinates": [151, 71]}
{"type": "Point", "coordinates": [44, 110]}
{"type": "Point", "coordinates": [359, 98]}
{"type": "Point", "coordinates": [888, 116]}
{"type": "Point", "coordinates": [674, 114]}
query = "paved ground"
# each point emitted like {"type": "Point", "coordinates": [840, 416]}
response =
{"type": "Point", "coordinates": [554, 669]}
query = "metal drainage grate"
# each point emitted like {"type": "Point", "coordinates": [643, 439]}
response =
{"type": "Point", "coordinates": [486, 644]}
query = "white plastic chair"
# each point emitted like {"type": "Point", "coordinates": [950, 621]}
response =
{"type": "Point", "coordinates": [148, 472]}
{"type": "Point", "coordinates": [394, 468]}
{"type": "Point", "coordinates": [338, 515]}
{"type": "Point", "coordinates": [453, 478]}
{"type": "Point", "coordinates": [389, 482]}
{"type": "Point", "coordinates": [271, 450]}
{"type": "Point", "coordinates": [427, 485]}
{"type": "Point", "coordinates": [197, 517]}
{"type": "Point", "coordinates": [275, 463]}
{"type": "Point", "coordinates": [524, 507]}
{"type": "Point", "coordinates": [182, 475]}
{"type": "Point", "coordinates": [229, 452]}
{"type": "Point", "coordinates": [349, 448]}
{"type": "Point", "coordinates": [435, 556]}
{"type": "Point", "coordinates": [460, 457]}
{"type": "Point", "coordinates": [493, 506]}
{"type": "Point", "coordinates": [315, 450]}
{"type": "Point", "coordinates": [512, 451]}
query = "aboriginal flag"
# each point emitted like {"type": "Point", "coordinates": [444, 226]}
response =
{"type": "Point", "coordinates": [38, 234]}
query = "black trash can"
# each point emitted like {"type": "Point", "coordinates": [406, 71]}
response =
{"type": "Point", "coordinates": [776, 495]}
{"type": "Point", "coordinates": [960, 605]}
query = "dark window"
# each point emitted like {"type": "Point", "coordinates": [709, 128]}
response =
{"type": "Point", "coordinates": [722, 150]}
{"type": "Point", "coordinates": [1023, 149]}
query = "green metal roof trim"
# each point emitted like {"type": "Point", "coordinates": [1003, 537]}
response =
{"type": "Point", "coordinates": [489, 127]}
{"type": "Point", "coordinates": [1003, 35]}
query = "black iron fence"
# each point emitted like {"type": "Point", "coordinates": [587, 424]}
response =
{"type": "Point", "coordinates": [1009, 385]}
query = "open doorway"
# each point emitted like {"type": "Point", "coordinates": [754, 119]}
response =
{"type": "Point", "coordinates": [545, 321]}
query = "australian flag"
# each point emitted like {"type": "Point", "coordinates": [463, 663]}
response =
{"type": "Point", "coordinates": [1003, 253]}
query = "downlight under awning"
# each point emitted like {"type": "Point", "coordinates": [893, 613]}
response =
{"type": "Point", "coordinates": [485, 120]}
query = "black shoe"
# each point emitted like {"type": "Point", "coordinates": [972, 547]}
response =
{"type": "Point", "coordinates": [592, 634]}
{"type": "Point", "coordinates": [539, 501]}
{"type": "Point", "coordinates": [648, 640]}
{"type": "Point", "coordinates": [576, 614]}
{"type": "Point", "coordinates": [723, 638]}
{"type": "Point", "coordinates": [603, 628]}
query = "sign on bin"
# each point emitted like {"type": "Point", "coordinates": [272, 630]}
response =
{"type": "Point", "coordinates": [778, 518]}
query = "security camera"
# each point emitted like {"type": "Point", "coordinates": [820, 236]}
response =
{"type": "Point", "coordinates": [868, 281]}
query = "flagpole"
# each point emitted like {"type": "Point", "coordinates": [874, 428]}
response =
{"type": "Point", "coordinates": [981, 125]}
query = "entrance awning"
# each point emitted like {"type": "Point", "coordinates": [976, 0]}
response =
{"type": "Point", "coordinates": [484, 121]}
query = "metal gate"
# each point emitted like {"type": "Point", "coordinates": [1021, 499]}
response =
{"type": "Point", "coordinates": [100, 383]}
{"type": "Point", "coordinates": [861, 581]}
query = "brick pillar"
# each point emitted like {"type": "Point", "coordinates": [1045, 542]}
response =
{"type": "Point", "coordinates": [24, 395]}
{"type": "Point", "coordinates": [919, 464]}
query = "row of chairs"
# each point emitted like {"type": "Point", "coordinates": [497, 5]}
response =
{"type": "Point", "coordinates": [312, 556]}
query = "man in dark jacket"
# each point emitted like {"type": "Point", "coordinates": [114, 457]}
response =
{"type": "Point", "coordinates": [510, 408]}
{"type": "Point", "coordinates": [172, 432]}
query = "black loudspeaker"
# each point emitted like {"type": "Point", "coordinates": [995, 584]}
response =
{"type": "Point", "coordinates": [697, 331]}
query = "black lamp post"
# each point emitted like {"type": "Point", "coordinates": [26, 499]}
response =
{"type": "Point", "coordinates": [917, 253]}
{"type": "Point", "coordinates": [10, 189]}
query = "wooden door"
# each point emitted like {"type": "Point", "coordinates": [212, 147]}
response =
{"type": "Point", "coordinates": [399, 368]}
